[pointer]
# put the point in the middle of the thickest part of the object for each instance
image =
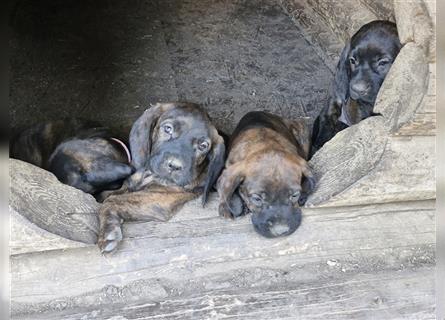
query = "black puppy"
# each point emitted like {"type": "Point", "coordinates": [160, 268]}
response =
{"type": "Point", "coordinates": [80, 153]}
{"type": "Point", "coordinates": [363, 65]}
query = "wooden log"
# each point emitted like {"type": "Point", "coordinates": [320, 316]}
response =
{"type": "Point", "coordinates": [383, 295]}
{"type": "Point", "coordinates": [408, 75]}
{"type": "Point", "coordinates": [26, 237]}
{"type": "Point", "coordinates": [405, 172]}
{"type": "Point", "coordinates": [38, 196]}
{"type": "Point", "coordinates": [198, 253]}
{"type": "Point", "coordinates": [348, 157]}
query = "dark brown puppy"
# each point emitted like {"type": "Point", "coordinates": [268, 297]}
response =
{"type": "Point", "coordinates": [266, 173]}
{"type": "Point", "coordinates": [363, 65]}
{"type": "Point", "coordinates": [178, 154]}
{"type": "Point", "coordinates": [80, 153]}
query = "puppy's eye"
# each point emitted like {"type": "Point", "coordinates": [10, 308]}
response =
{"type": "Point", "coordinates": [383, 62]}
{"type": "Point", "coordinates": [256, 199]}
{"type": "Point", "coordinates": [295, 196]}
{"type": "Point", "coordinates": [203, 145]}
{"type": "Point", "coordinates": [352, 61]}
{"type": "Point", "coordinates": [168, 128]}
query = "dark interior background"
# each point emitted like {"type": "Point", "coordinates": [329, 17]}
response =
{"type": "Point", "coordinates": [108, 60]}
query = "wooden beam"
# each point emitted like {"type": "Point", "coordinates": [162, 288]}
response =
{"type": "Point", "coordinates": [199, 253]}
{"type": "Point", "coordinates": [39, 197]}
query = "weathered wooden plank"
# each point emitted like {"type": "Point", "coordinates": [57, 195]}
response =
{"type": "Point", "coordinates": [408, 74]}
{"type": "Point", "coordinates": [38, 196]}
{"type": "Point", "coordinates": [384, 295]}
{"type": "Point", "coordinates": [203, 254]}
{"type": "Point", "coordinates": [318, 32]}
{"type": "Point", "coordinates": [346, 158]}
{"type": "Point", "coordinates": [424, 120]}
{"type": "Point", "coordinates": [26, 237]}
{"type": "Point", "coordinates": [345, 17]}
{"type": "Point", "coordinates": [405, 172]}
{"type": "Point", "coordinates": [383, 9]}
{"type": "Point", "coordinates": [422, 124]}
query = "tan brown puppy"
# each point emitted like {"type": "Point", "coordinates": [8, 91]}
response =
{"type": "Point", "coordinates": [178, 154]}
{"type": "Point", "coordinates": [266, 173]}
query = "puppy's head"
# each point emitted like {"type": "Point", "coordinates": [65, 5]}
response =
{"type": "Point", "coordinates": [272, 187]}
{"type": "Point", "coordinates": [91, 165]}
{"type": "Point", "coordinates": [365, 61]}
{"type": "Point", "coordinates": [178, 143]}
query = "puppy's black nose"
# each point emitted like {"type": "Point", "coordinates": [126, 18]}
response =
{"type": "Point", "coordinates": [174, 165]}
{"type": "Point", "coordinates": [359, 88]}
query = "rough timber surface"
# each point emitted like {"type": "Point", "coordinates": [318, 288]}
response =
{"type": "Point", "coordinates": [38, 196]}
{"type": "Point", "coordinates": [342, 262]}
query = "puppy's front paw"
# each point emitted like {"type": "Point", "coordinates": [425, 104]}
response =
{"type": "Point", "coordinates": [234, 210]}
{"type": "Point", "coordinates": [109, 236]}
{"type": "Point", "coordinates": [225, 212]}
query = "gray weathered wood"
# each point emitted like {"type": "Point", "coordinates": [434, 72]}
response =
{"type": "Point", "coordinates": [409, 75]}
{"type": "Point", "coordinates": [383, 9]}
{"type": "Point", "coordinates": [383, 295]}
{"type": "Point", "coordinates": [38, 196]}
{"type": "Point", "coordinates": [199, 254]}
{"type": "Point", "coordinates": [348, 157]}
{"type": "Point", "coordinates": [345, 17]}
{"type": "Point", "coordinates": [404, 173]}
{"type": "Point", "coordinates": [26, 237]}
{"type": "Point", "coordinates": [422, 124]}
{"type": "Point", "coordinates": [415, 23]}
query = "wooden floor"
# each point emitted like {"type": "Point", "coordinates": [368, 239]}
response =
{"type": "Point", "coordinates": [366, 262]}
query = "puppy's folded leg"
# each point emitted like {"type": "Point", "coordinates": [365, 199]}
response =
{"type": "Point", "coordinates": [110, 232]}
{"type": "Point", "coordinates": [157, 203]}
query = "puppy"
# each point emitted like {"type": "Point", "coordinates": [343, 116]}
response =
{"type": "Point", "coordinates": [266, 173]}
{"type": "Point", "coordinates": [80, 153]}
{"type": "Point", "coordinates": [363, 65]}
{"type": "Point", "coordinates": [178, 155]}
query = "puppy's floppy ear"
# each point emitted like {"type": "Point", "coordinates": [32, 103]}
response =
{"type": "Point", "coordinates": [228, 182]}
{"type": "Point", "coordinates": [307, 185]}
{"type": "Point", "coordinates": [342, 75]}
{"type": "Point", "coordinates": [107, 171]}
{"type": "Point", "coordinates": [216, 164]}
{"type": "Point", "coordinates": [141, 135]}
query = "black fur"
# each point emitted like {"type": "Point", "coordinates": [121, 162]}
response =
{"type": "Point", "coordinates": [363, 65]}
{"type": "Point", "coordinates": [80, 153]}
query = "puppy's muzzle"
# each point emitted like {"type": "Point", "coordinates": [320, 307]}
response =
{"type": "Point", "coordinates": [173, 164]}
{"type": "Point", "coordinates": [277, 221]}
{"type": "Point", "coordinates": [359, 90]}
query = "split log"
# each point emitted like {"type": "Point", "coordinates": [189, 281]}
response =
{"type": "Point", "coordinates": [38, 196]}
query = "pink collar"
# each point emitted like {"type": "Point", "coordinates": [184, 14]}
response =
{"type": "Point", "coordinates": [127, 152]}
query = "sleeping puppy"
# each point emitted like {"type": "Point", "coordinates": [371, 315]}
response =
{"type": "Point", "coordinates": [178, 155]}
{"type": "Point", "coordinates": [79, 153]}
{"type": "Point", "coordinates": [363, 65]}
{"type": "Point", "coordinates": [266, 173]}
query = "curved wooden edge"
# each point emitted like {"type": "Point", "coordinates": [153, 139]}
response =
{"type": "Point", "coordinates": [39, 197]}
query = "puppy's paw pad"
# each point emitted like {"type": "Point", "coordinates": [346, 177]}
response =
{"type": "Point", "coordinates": [109, 239]}
{"type": "Point", "coordinates": [109, 246]}
{"type": "Point", "coordinates": [114, 234]}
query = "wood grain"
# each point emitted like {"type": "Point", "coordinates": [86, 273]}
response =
{"type": "Point", "coordinates": [38, 196]}
{"type": "Point", "coordinates": [404, 173]}
{"type": "Point", "coordinates": [366, 296]}
{"type": "Point", "coordinates": [346, 158]}
{"type": "Point", "coordinates": [26, 237]}
{"type": "Point", "coordinates": [169, 266]}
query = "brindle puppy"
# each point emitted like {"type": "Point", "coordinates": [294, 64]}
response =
{"type": "Point", "coordinates": [80, 153]}
{"type": "Point", "coordinates": [178, 154]}
{"type": "Point", "coordinates": [363, 65]}
{"type": "Point", "coordinates": [266, 173]}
